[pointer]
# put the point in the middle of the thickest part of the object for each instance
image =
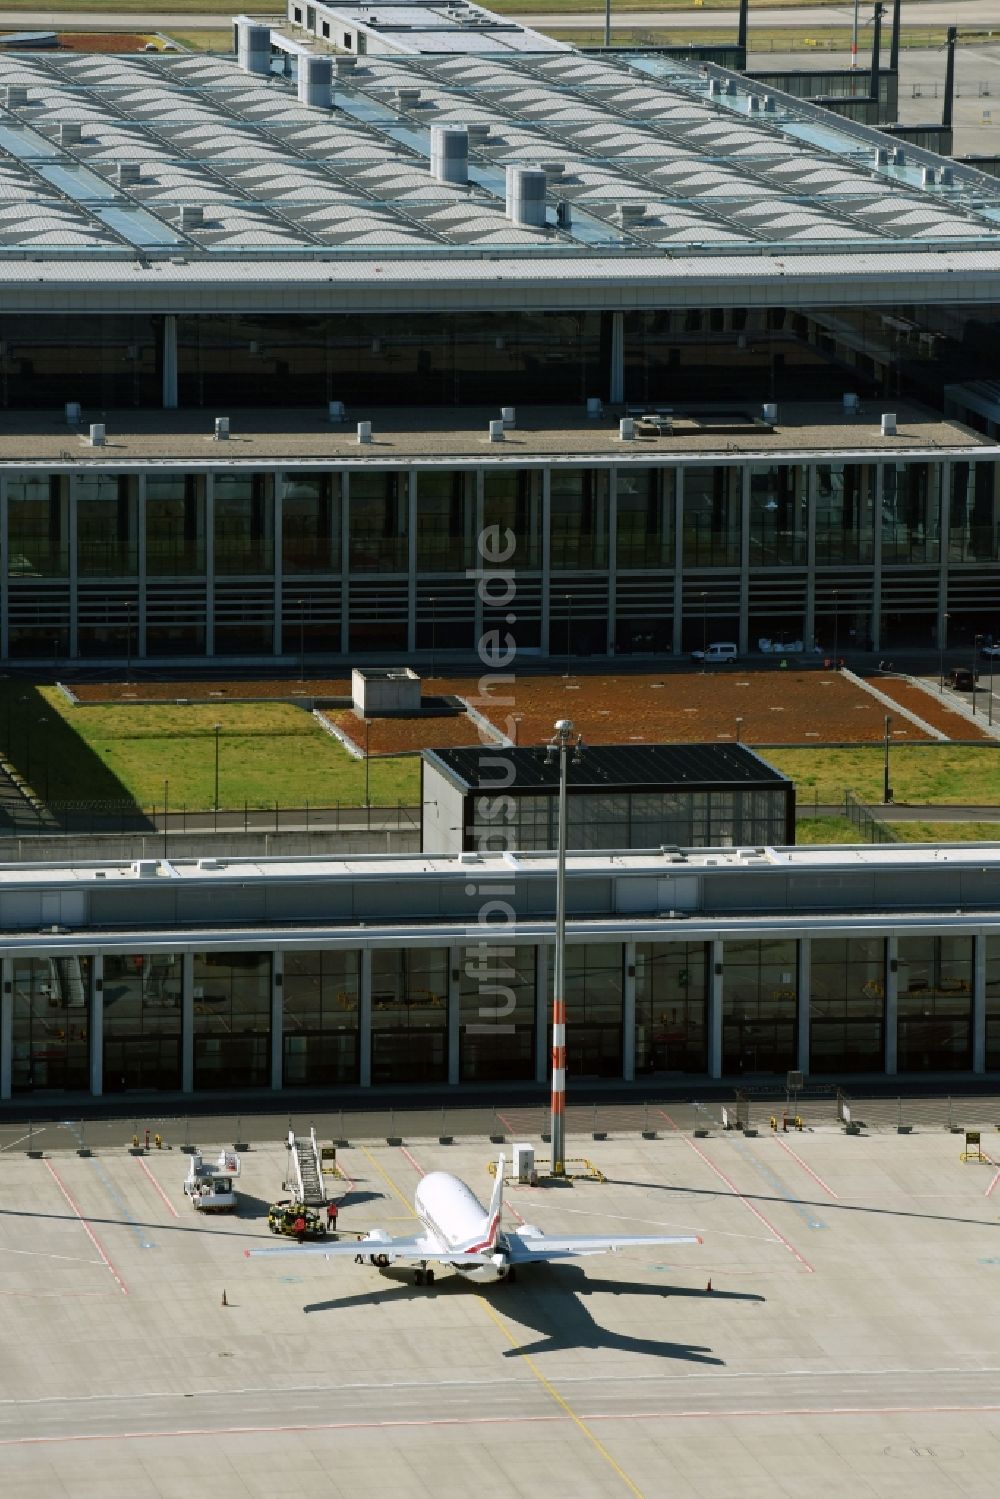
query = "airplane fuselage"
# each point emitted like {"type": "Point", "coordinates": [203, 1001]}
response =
{"type": "Point", "coordinates": [453, 1214]}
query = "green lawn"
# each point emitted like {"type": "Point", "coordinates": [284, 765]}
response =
{"type": "Point", "coordinates": [204, 41]}
{"type": "Point", "coordinates": [825, 830]}
{"type": "Point", "coordinates": [947, 832]}
{"type": "Point", "coordinates": [267, 753]}
{"type": "Point", "coordinates": [946, 773]}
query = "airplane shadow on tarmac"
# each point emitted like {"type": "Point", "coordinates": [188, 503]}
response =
{"type": "Point", "coordinates": [547, 1300]}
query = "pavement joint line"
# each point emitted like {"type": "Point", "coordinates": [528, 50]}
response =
{"type": "Point", "coordinates": [156, 1184]}
{"type": "Point", "coordinates": [411, 1211]}
{"type": "Point", "coordinates": [752, 1207]}
{"type": "Point", "coordinates": [807, 1168]}
{"type": "Point", "coordinates": [545, 1383]}
{"type": "Point", "coordinates": [91, 1235]}
{"type": "Point", "coordinates": [989, 1189]}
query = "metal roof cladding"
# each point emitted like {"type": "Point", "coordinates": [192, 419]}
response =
{"type": "Point", "coordinates": [606, 767]}
{"type": "Point", "coordinates": [654, 158]}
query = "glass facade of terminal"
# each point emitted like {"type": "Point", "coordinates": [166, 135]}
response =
{"type": "Point", "coordinates": [754, 1007]}
{"type": "Point", "coordinates": [624, 559]}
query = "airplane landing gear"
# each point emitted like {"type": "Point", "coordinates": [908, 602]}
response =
{"type": "Point", "coordinates": [423, 1276]}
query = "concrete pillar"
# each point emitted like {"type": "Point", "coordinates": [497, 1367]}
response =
{"type": "Point", "coordinates": [4, 578]}
{"type": "Point", "coordinates": [809, 622]}
{"type": "Point", "coordinates": [612, 560]}
{"type": "Point", "coordinates": [628, 1015]}
{"type": "Point", "coordinates": [345, 560]}
{"type": "Point", "coordinates": [677, 645]}
{"type": "Point", "coordinates": [277, 1020]}
{"type": "Point", "coordinates": [744, 641]}
{"type": "Point", "coordinates": [979, 1005]}
{"type": "Point", "coordinates": [365, 1020]}
{"type": "Point", "coordinates": [187, 1022]}
{"type": "Point", "coordinates": [411, 562]}
{"type": "Point", "coordinates": [715, 1010]}
{"type": "Point", "coordinates": [940, 629]}
{"type": "Point", "coordinates": [454, 977]}
{"type": "Point", "coordinates": [891, 991]}
{"type": "Point", "coordinates": [6, 1026]}
{"type": "Point", "coordinates": [546, 579]}
{"type": "Point", "coordinates": [97, 1026]}
{"type": "Point", "coordinates": [279, 564]}
{"type": "Point", "coordinates": [73, 643]}
{"type": "Point", "coordinates": [616, 375]}
{"type": "Point", "coordinates": [253, 46]}
{"type": "Point", "coordinates": [139, 614]}
{"type": "Point", "coordinates": [877, 562]}
{"type": "Point", "coordinates": [209, 565]}
{"type": "Point", "coordinates": [170, 362]}
{"type": "Point", "coordinates": [804, 1003]}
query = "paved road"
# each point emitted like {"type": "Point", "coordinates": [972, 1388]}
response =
{"type": "Point", "coordinates": [980, 14]}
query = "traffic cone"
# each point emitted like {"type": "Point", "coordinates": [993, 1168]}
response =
{"type": "Point", "coordinates": [226, 1303]}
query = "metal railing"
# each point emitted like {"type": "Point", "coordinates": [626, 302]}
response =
{"type": "Point", "coordinates": [871, 827]}
{"type": "Point", "coordinates": [129, 817]}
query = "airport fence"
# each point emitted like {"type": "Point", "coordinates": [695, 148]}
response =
{"type": "Point", "coordinates": [752, 1108]}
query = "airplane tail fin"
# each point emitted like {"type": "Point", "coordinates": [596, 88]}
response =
{"type": "Point", "coordinates": [496, 1207]}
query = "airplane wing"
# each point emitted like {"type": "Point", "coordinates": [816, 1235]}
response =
{"type": "Point", "coordinates": [526, 1249]}
{"type": "Point", "coordinates": [424, 1249]}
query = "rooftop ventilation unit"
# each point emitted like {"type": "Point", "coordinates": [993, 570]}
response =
{"type": "Point", "coordinates": [928, 177]}
{"type": "Point", "coordinates": [496, 431]}
{"type": "Point", "coordinates": [898, 157]}
{"type": "Point", "coordinates": [345, 64]}
{"type": "Point", "coordinates": [70, 133]}
{"type": "Point", "coordinates": [881, 156]}
{"type": "Point", "coordinates": [98, 434]}
{"type": "Point", "coordinates": [192, 216]}
{"type": "Point", "coordinates": [553, 169]}
{"type": "Point", "coordinates": [526, 196]}
{"type": "Point", "coordinates": [888, 424]}
{"type": "Point", "coordinates": [946, 176]}
{"type": "Point", "coordinates": [129, 173]}
{"type": "Point", "coordinates": [407, 98]}
{"type": "Point", "coordinates": [631, 213]}
{"type": "Point", "coordinates": [449, 154]}
{"type": "Point", "coordinates": [337, 411]}
{"type": "Point", "coordinates": [769, 413]}
{"type": "Point", "coordinates": [753, 104]}
{"type": "Point", "coordinates": [253, 47]}
{"type": "Point", "coordinates": [364, 432]}
{"type": "Point", "coordinates": [221, 429]}
{"type": "Point", "coordinates": [564, 213]}
{"type": "Point", "coordinates": [74, 413]}
{"type": "Point", "coordinates": [15, 96]}
{"type": "Point", "coordinates": [595, 407]}
{"type": "Point", "coordinates": [315, 82]}
{"type": "Point", "coordinates": [145, 868]}
{"type": "Point", "coordinates": [852, 403]}
{"type": "Point", "coordinates": [477, 133]}
{"type": "Point", "coordinates": [626, 428]}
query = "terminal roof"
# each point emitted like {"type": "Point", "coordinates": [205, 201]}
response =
{"type": "Point", "coordinates": [655, 158]}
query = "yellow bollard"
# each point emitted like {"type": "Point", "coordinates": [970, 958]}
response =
{"type": "Point", "coordinates": [158, 1141]}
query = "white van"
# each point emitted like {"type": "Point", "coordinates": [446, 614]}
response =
{"type": "Point", "coordinates": [719, 650]}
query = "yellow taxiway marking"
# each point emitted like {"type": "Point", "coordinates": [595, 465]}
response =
{"type": "Point", "coordinates": [545, 1383]}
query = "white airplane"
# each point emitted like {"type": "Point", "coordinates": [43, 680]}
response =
{"type": "Point", "coordinates": [460, 1232]}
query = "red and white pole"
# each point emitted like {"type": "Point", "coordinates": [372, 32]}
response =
{"type": "Point", "coordinates": [560, 745]}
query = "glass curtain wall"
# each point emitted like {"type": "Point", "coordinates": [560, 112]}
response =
{"type": "Point", "coordinates": [671, 997]}
{"type": "Point", "coordinates": [320, 1029]}
{"type": "Point", "coordinates": [142, 1021]}
{"type": "Point", "coordinates": [594, 1008]}
{"type": "Point", "coordinates": [993, 1004]}
{"type": "Point", "coordinates": [712, 504]}
{"type": "Point", "coordinates": [512, 503]}
{"type": "Point", "coordinates": [379, 522]}
{"type": "Point", "coordinates": [232, 1020]}
{"type": "Point", "coordinates": [911, 512]}
{"type": "Point", "coordinates": [974, 517]}
{"type": "Point", "coordinates": [759, 1006]}
{"type": "Point", "coordinates": [175, 525]}
{"type": "Point", "coordinates": [644, 500]}
{"type": "Point", "coordinates": [934, 1004]}
{"type": "Point", "coordinates": [579, 519]}
{"type": "Point", "coordinates": [779, 495]}
{"type": "Point", "coordinates": [410, 1015]}
{"type": "Point", "coordinates": [311, 524]}
{"type": "Point", "coordinates": [446, 522]}
{"type": "Point", "coordinates": [845, 513]}
{"type": "Point", "coordinates": [38, 526]}
{"type": "Point", "coordinates": [847, 1005]}
{"type": "Point", "coordinates": [106, 521]}
{"type": "Point", "coordinates": [496, 1013]}
{"type": "Point", "coordinates": [244, 524]}
{"type": "Point", "coordinates": [51, 1024]}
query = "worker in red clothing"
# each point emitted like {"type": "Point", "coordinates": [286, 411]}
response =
{"type": "Point", "coordinates": [331, 1217]}
{"type": "Point", "coordinates": [300, 1229]}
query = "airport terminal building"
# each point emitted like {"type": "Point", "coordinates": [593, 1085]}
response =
{"type": "Point", "coordinates": [381, 972]}
{"type": "Point", "coordinates": [418, 216]}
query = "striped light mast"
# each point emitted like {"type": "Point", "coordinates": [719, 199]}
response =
{"type": "Point", "coordinates": [559, 746]}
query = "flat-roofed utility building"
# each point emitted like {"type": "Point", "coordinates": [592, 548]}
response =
{"type": "Point", "coordinates": [637, 796]}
